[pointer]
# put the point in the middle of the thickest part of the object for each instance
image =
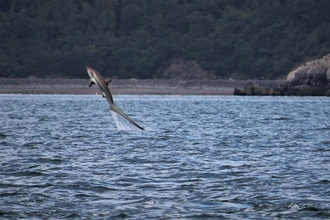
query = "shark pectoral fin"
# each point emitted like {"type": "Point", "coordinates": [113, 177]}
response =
{"type": "Point", "coordinates": [91, 83]}
{"type": "Point", "coordinates": [114, 108]}
{"type": "Point", "coordinates": [107, 81]}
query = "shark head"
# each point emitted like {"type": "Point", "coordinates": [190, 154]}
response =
{"type": "Point", "coordinates": [91, 72]}
{"type": "Point", "coordinates": [96, 78]}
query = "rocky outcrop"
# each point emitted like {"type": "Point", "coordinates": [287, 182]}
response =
{"type": "Point", "coordinates": [310, 79]}
{"type": "Point", "coordinates": [239, 92]}
{"type": "Point", "coordinates": [253, 89]}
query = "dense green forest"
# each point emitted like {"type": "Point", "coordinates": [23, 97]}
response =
{"type": "Point", "coordinates": [250, 39]}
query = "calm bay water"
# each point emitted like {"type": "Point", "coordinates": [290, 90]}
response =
{"type": "Point", "coordinates": [201, 157]}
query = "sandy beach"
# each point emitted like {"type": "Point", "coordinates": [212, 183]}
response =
{"type": "Point", "coordinates": [127, 86]}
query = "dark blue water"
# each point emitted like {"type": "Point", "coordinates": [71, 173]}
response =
{"type": "Point", "coordinates": [201, 157]}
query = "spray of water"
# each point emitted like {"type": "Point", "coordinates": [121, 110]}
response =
{"type": "Point", "coordinates": [121, 123]}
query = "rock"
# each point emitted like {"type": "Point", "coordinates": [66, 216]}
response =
{"type": "Point", "coordinates": [239, 92]}
{"type": "Point", "coordinates": [328, 76]}
{"type": "Point", "coordinates": [248, 88]}
{"type": "Point", "coordinates": [304, 90]}
{"type": "Point", "coordinates": [259, 90]}
{"type": "Point", "coordinates": [252, 89]}
{"type": "Point", "coordinates": [310, 79]}
{"type": "Point", "coordinates": [327, 91]}
{"type": "Point", "coordinates": [278, 91]}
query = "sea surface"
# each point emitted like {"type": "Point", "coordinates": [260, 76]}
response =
{"type": "Point", "coordinates": [200, 157]}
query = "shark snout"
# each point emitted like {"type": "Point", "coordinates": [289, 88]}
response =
{"type": "Point", "coordinates": [90, 72]}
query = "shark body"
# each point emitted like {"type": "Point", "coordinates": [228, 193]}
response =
{"type": "Point", "coordinates": [96, 78]}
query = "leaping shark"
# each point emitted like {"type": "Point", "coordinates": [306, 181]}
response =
{"type": "Point", "coordinates": [96, 78]}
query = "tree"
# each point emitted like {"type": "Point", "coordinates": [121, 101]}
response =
{"type": "Point", "coordinates": [129, 38]}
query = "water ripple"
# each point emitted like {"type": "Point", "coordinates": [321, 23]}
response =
{"type": "Point", "coordinates": [200, 157]}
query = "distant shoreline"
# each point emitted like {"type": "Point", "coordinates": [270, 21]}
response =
{"type": "Point", "coordinates": [127, 86]}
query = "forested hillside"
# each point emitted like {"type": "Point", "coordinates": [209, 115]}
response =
{"type": "Point", "coordinates": [250, 39]}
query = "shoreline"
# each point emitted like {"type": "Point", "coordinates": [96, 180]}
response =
{"type": "Point", "coordinates": [127, 86]}
{"type": "Point", "coordinates": [117, 91]}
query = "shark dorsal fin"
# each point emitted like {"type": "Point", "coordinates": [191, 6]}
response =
{"type": "Point", "coordinates": [107, 81]}
{"type": "Point", "coordinates": [91, 83]}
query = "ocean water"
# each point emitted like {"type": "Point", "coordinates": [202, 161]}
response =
{"type": "Point", "coordinates": [200, 157]}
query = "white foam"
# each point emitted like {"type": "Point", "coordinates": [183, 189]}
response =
{"type": "Point", "coordinates": [121, 123]}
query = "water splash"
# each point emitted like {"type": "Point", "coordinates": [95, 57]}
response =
{"type": "Point", "coordinates": [121, 123]}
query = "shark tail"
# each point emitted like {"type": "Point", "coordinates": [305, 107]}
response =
{"type": "Point", "coordinates": [116, 109]}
